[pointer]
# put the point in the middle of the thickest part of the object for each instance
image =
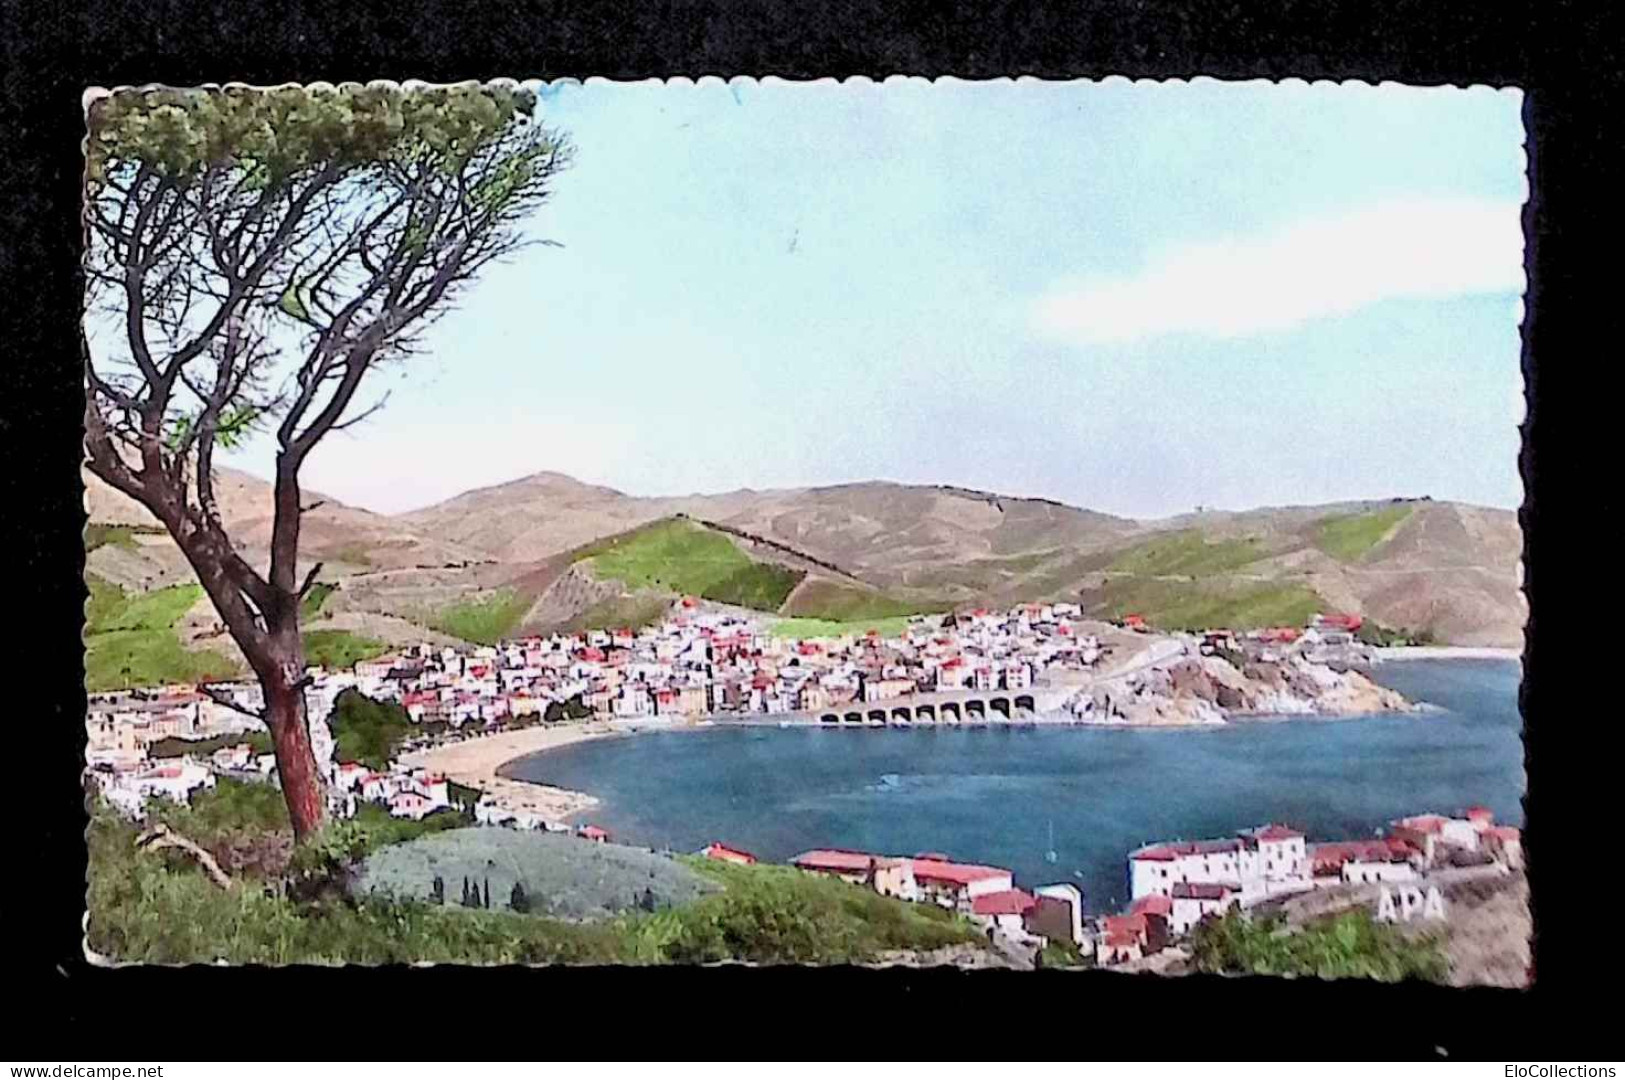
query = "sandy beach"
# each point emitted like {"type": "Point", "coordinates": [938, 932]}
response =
{"type": "Point", "coordinates": [477, 763]}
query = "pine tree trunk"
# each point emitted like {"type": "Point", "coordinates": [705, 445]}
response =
{"type": "Point", "coordinates": [302, 784]}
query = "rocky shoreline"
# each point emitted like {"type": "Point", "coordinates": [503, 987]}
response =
{"type": "Point", "coordinates": [1211, 690]}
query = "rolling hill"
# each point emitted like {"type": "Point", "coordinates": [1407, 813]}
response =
{"type": "Point", "coordinates": [549, 552]}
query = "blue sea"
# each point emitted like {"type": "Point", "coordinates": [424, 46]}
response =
{"type": "Point", "coordinates": [1060, 803]}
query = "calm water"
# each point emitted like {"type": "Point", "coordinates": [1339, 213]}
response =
{"type": "Point", "coordinates": [995, 796]}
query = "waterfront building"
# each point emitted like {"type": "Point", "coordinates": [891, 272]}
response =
{"type": "Point", "coordinates": [1360, 861]}
{"type": "Point", "coordinates": [957, 885]}
{"type": "Point", "coordinates": [885, 875]}
{"type": "Point", "coordinates": [1005, 910]}
{"type": "Point", "coordinates": [1268, 861]}
{"type": "Point", "coordinates": [1057, 913]}
{"type": "Point", "coordinates": [1191, 902]}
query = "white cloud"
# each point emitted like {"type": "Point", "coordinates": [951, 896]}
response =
{"type": "Point", "coordinates": [1314, 268]}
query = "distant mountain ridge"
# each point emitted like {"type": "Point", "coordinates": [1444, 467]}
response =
{"type": "Point", "coordinates": [879, 546]}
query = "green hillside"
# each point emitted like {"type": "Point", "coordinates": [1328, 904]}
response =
{"type": "Point", "coordinates": [1348, 537]}
{"type": "Point", "coordinates": [804, 629]}
{"type": "Point", "coordinates": [683, 557]}
{"type": "Point", "coordinates": [1188, 552]}
{"type": "Point", "coordinates": [130, 639]}
{"type": "Point", "coordinates": [835, 602]}
{"type": "Point", "coordinates": [339, 650]}
{"type": "Point", "coordinates": [484, 618]}
{"type": "Point", "coordinates": [1201, 605]}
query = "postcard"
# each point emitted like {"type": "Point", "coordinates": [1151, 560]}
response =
{"type": "Point", "coordinates": [1018, 524]}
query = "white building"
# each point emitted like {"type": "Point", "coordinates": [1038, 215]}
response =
{"type": "Point", "coordinates": [1193, 902]}
{"type": "Point", "coordinates": [1268, 861]}
{"type": "Point", "coordinates": [1366, 871]}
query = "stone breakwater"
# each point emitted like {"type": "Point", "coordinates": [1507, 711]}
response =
{"type": "Point", "coordinates": [1210, 690]}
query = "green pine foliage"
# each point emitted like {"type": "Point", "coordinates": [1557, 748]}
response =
{"type": "Point", "coordinates": [368, 731]}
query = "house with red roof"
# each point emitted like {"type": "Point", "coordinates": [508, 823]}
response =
{"type": "Point", "coordinates": [1191, 902]}
{"type": "Point", "coordinates": [1358, 862]}
{"type": "Point", "coordinates": [723, 853]}
{"type": "Point", "coordinates": [1005, 910]}
{"type": "Point", "coordinates": [1126, 937]}
{"type": "Point", "coordinates": [884, 874]}
{"type": "Point", "coordinates": [957, 885]}
{"type": "Point", "coordinates": [1503, 843]}
{"type": "Point", "coordinates": [594, 833]}
{"type": "Point", "coordinates": [410, 805]}
{"type": "Point", "coordinates": [1267, 861]}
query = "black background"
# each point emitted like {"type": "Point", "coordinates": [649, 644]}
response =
{"type": "Point", "coordinates": [1566, 57]}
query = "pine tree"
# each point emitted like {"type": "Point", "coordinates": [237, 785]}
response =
{"type": "Point", "coordinates": [437, 891]}
{"type": "Point", "coordinates": [517, 899]}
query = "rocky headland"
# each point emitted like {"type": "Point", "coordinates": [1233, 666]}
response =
{"type": "Point", "coordinates": [1212, 689]}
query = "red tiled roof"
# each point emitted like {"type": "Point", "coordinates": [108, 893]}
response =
{"type": "Point", "coordinates": [839, 861]}
{"type": "Point", "coordinates": [1329, 858]}
{"type": "Point", "coordinates": [718, 850]}
{"type": "Point", "coordinates": [1125, 924]}
{"type": "Point", "coordinates": [1006, 902]}
{"type": "Point", "coordinates": [1503, 832]}
{"type": "Point", "coordinates": [593, 832]}
{"type": "Point", "coordinates": [1277, 832]}
{"type": "Point", "coordinates": [1171, 851]}
{"type": "Point", "coordinates": [1427, 823]}
{"type": "Point", "coordinates": [1152, 905]}
{"type": "Point", "coordinates": [955, 873]}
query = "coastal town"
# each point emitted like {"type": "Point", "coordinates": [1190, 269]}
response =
{"type": "Point", "coordinates": [1035, 663]}
{"type": "Point", "coordinates": [702, 667]}
{"type": "Point", "coordinates": [1176, 885]}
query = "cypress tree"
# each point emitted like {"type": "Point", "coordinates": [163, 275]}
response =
{"type": "Point", "coordinates": [486, 903]}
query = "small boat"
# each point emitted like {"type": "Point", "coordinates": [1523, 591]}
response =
{"type": "Point", "coordinates": [1049, 855]}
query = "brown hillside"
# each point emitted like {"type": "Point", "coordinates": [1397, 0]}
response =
{"type": "Point", "coordinates": [1444, 567]}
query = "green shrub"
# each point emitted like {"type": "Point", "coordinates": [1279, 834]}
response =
{"type": "Point", "coordinates": [311, 605]}
{"type": "Point", "coordinates": [368, 731]}
{"type": "Point", "coordinates": [1351, 944]}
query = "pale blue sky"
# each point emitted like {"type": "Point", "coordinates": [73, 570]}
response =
{"type": "Point", "coordinates": [1133, 297]}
